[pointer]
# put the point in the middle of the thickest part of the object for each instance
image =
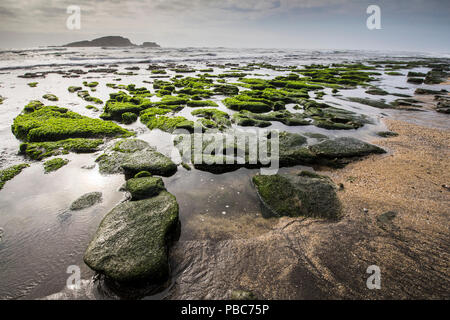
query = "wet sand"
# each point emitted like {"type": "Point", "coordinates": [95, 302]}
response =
{"type": "Point", "coordinates": [314, 259]}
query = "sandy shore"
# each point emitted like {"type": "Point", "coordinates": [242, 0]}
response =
{"type": "Point", "coordinates": [314, 259]}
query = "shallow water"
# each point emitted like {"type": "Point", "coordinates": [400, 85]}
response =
{"type": "Point", "coordinates": [41, 238]}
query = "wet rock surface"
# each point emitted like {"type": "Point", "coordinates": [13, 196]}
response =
{"type": "Point", "coordinates": [87, 200]}
{"type": "Point", "coordinates": [131, 243]}
{"type": "Point", "coordinates": [304, 194]}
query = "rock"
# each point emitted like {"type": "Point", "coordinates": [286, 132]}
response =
{"type": "Point", "coordinates": [1, 235]}
{"type": "Point", "coordinates": [87, 200]}
{"type": "Point", "coordinates": [145, 187]}
{"type": "Point", "coordinates": [387, 134]}
{"type": "Point", "coordinates": [131, 243]}
{"type": "Point", "coordinates": [344, 147]}
{"type": "Point", "coordinates": [132, 156]}
{"type": "Point", "coordinates": [306, 194]}
{"type": "Point", "coordinates": [443, 105]}
{"type": "Point", "coordinates": [109, 41]}
{"type": "Point", "coordinates": [242, 295]}
{"type": "Point", "coordinates": [148, 44]}
{"type": "Point", "coordinates": [148, 160]}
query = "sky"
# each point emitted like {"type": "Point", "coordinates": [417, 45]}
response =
{"type": "Point", "coordinates": [406, 25]}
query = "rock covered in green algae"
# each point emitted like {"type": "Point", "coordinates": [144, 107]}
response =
{"type": "Point", "coordinates": [215, 118]}
{"type": "Point", "coordinates": [306, 194]}
{"type": "Point", "coordinates": [87, 200]}
{"type": "Point", "coordinates": [144, 187]}
{"type": "Point", "coordinates": [443, 105]}
{"type": "Point", "coordinates": [52, 123]}
{"type": "Point", "coordinates": [50, 97]}
{"type": "Point", "coordinates": [247, 118]}
{"type": "Point", "coordinates": [132, 156]}
{"type": "Point", "coordinates": [344, 147]}
{"type": "Point", "coordinates": [131, 243]}
{"type": "Point", "coordinates": [40, 150]}
{"type": "Point", "coordinates": [54, 164]}
{"type": "Point", "coordinates": [9, 173]}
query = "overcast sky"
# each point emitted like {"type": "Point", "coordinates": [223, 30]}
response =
{"type": "Point", "coordinates": [415, 25]}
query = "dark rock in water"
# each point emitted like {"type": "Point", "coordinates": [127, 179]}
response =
{"type": "Point", "coordinates": [443, 105]}
{"type": "Point", "coordinates": [344, 147]}
{"type": "Point", "coordinates": [387, 134]}
{"type": "Point", "coordinates": [1, 235]}
{"type": "Point", "coordinates": [306, 194]}
{"type": "Point", "coordinates": [415, 80]}
{"type": "Point", "coordinates": [428, 91]}
{"type": "Point", "coordinates": [242, 295]}
{"type": "Point", "coordinates": [436, 76]}
{"type": "Point", "coordinates": [109, 41]}
{"type": "Point", "coordinates": [145, 187]}
{"type": "Point", "coordinates": [131, 243]}
{"type": "Point", "coordinates": [132, 156]}
{"type": "Point", "coordinates": [87, 200]}
{"type": "Point", "coordinates": [150, 45]}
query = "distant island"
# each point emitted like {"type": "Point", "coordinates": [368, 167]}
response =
{"type": "Point", "coordinates": [110, 41]}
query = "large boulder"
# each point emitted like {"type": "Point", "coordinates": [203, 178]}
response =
{"type": "Point", "coordinates": [132, 156]}
{"type": "Point", "coordinates": [344, 147]}
{"type": "Point", "coordinates": [131, 243]}
{"type": "Point", "coordinates": [144, 187]}
{"type": "Point", "coordinates": [306, 194]}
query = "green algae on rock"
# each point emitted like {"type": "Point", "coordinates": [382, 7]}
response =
{"type": "Point", "coordinates": [10, 172]}
{"type": "Point", "coordinates": [52, 123]}
{"type": "Point", "coordinates": [217, 119]}
{"type": "Point", "coordinates": [156, 118]}
{"type": "Point", "coordinates": [247, 118]}
{"type": "Point", "coordinates": [144, 187]}
{"type": "Point", "coordinates": [344, 147]}
{"type": "Point", "coordinates": [306, 194]}
{"type": "Point", "coordinates": [50, 97]}
{"type": "Point", "coordinates": [387, 134]}
{"type": "Point", "coordinates": [131, 156]}
{"type": "Point", "coordinates": [131, 244]}
{"type": "Point", "coordinates": [32, 84]}
{"type": "Point", "coordinates": [54, 164]}
{"type": "Point", "coordinates": [40, 150]}
{"type": "Point", "coordinates": [87, 200]}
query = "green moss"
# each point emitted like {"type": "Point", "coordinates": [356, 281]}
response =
{"type": "Point", "coordinates": [129, 117]}
{"type": "Point", "coordinates": [305, 194]}
{"type": "Point", "coordinates": [73, 89]}
{"type": "Point", "coordinates": [90, 84]}
{"type": "Point", "coordinates": [144, 187]}
{"type": "Point", "coordinates": [50, 97]}
{"type": "Point", "coordinates": [54, 164]}
{"type": "Point", "coordinates": [10, 172]}
{"type": "Point", "coordinates": [226, 89]}
{"type": "Point", "coordinates": [201, 103]}
{"type": "Point", "coordinates": [159, 72]}
{"type": "Point", "coordinates": [130, 145]}
{"type": "Point", "coordinates": [372, 103]}
{"type": "Point", "coordinates": [91, 107]}
{"type": "Point", "coordinates": [40, 150]}
{"type": "Point", "coordinates": [387, 134]}
{"type": "Point", "coordinates": [53, 123]}
{"type": "Point", "coordinates": [220, 119]}
{"type": "Point", "coordinates": [143, 174]}
{"type": "Point", "coordinates": [244, 102]}
{"type": "Point", "coordinates": [33, 106]}
{"type": "Point", "coordinates": [84, 94]}
{"type": "Point", "coordinates": [283, 116]}
{"type": "Point", "coordinates": [32, 84]}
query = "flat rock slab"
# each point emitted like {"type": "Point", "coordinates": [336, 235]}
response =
{"type": "Point", "coordinates": [306, 194]}
{"type": "Point", "coordinates": [131, 243]}
{"type": "Point", "coordinates": [87, 200]}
